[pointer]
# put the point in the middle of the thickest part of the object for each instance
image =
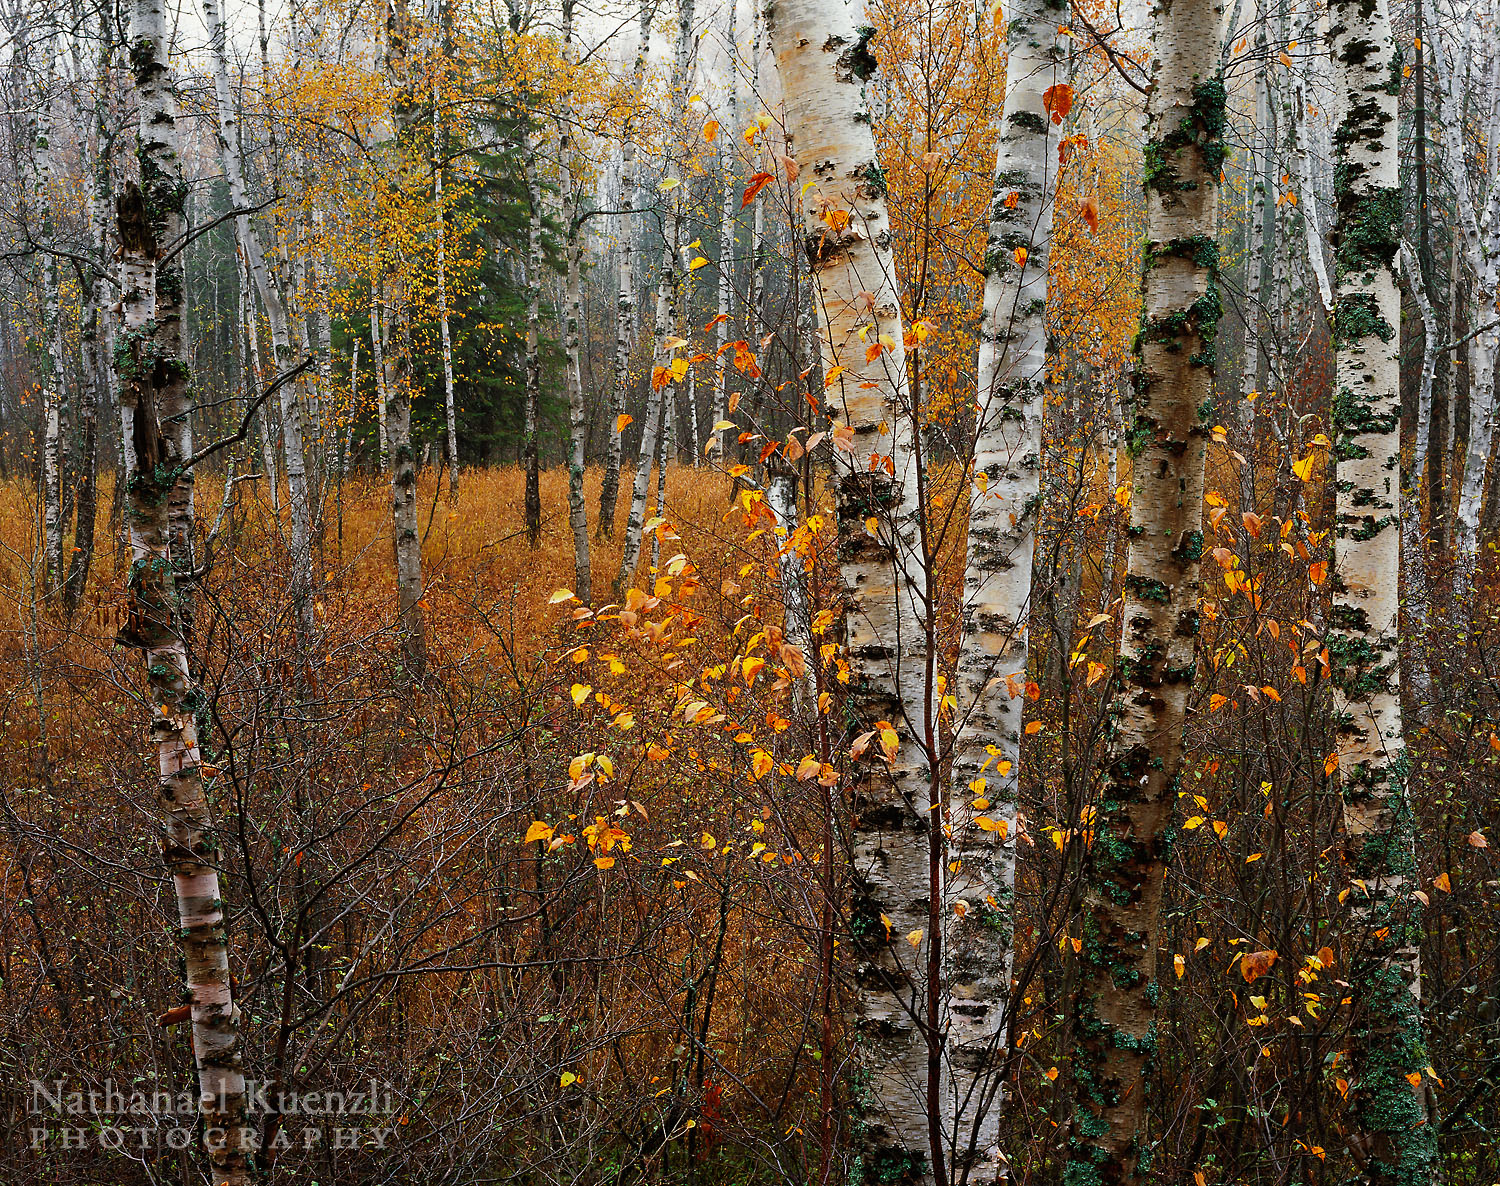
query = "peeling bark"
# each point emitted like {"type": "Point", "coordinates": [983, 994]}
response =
{"type": "Point", "coordinates": [152, 377]}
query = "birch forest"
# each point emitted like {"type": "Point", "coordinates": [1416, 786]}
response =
{"type": "Point", "coordinates": [749, 592]}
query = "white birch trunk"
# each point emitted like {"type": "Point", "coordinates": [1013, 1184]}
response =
{"type": "Point", "coordinates": [382, 386]}
{"type": "Point", "coordinates": [578, 515]}
{"type": "Point", "coordinates": [1125, 865]}
{"type": "Point", "coordinates": [299, 496]}
{"type": "Point", "coordinates": [825, 62]}
{"type": "Point", "coordinates": [991, 669]}
{"type": "Point", "coordinates": [440, 217]}
{"type": "Point", "coordinates": [625, 303]}
{"type": "Point", "coordinates": [155, 624]}
{"type": "Point", "coordinates": [530, 446]}
{"type": "Point", "coordinates": [729, 134]}
{"type": "Point", "coordinates": [406, 540]}
{"type": "Point", "coordinates": [658, 404]}
{"type": "Point", "coordinates": [1387, 1119]}
{"type": "Point", "coordinates": [1416, 585]}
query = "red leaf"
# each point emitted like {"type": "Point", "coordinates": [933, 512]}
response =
{"type": "Point", "coordinates": [1058, 100]}
{"type": "Point", "coordinates": [757, 183]}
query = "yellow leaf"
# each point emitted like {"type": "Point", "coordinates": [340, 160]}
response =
{"type": "Point", "coordinates": [560, 595]}
{"type": "Point", "coordinates": [538, 831]}
{"type": "Point", "coordinates": [1303, 468]}
{"type": "Point", "coordinates": [761, 763]}
{"type": "Point", "coordinates": [669, 183]}
{"type": "Point", "coordinates": [604, 862]}
{"type": "Point", "coordinates": [750, 668]}
{"type": "Point", "coordinates": [915, 937]}
{"type": "Point", "coordinates": [707, 840]}
{"type": "Point", "coordinates": [1200, 945]}
{"type": "Point", "coordinates": [1442, 882]}
{"type": "Point", "coordinates": [699, 262]}
{"type": "Point", "coordinates": [568, 1079]}
{"type": "Point", "coordinates": [985, 824]}
{"type": "Point", "coordinates": [808, 767]}
{"type": "Point", "coordinates": [580, 693]}
{"type": "Point", "coordinates": [1180, 965]}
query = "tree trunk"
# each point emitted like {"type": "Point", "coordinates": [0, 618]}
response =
{"type": "Point", "coordinates": [152, 373]}
{"type": "Point", "coordinates": [997, 593]}
{"type": "Point", "coordinates": [382, 378]}
{"type": "Point", "coordinates": [1003, 506]}
{"type": "Point", "coordinates": [1416, 584]}
{"type": "Point", "coordinates": [625, 305]}
{"type": "Point", "coordinates": [440, 216]}
{"type": "Point", "coordinates": [578, 514]}
{"type": "Point", "coordinates": [1387, 1118]}
{"type": "Point", "coordinates": [657, 406]}
{"type": "Point", "coordinates": [728, 160]}
{"type": "Point", "coordinates": [405, 539]}
{"type": "Point", "coordinates": [298, 495]}
{"type": "Point", "coordinates": [530, 450]}
{"type": "Point", "coordinates": [825, 64]}
{"type": "Point", "coordinates": [1126, 863]}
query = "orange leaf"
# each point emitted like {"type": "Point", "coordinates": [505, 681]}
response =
{"type": "Point", "coordinates": [710, 130]}
{"type": "Point", "coordinates": [757, 183]}
{"type": "Point", "coordinates": [622, 420]}
{"type": "Point", "coordinates": [538, 831]}
{"type": "Point", "coordinates": [1318, 573]}
{"type": "Point", "coordinates": [1441, 882]}
{"type": "Point", "coordinates": [1256, 964]}
{"type": "Point", "coordinates": [1090, 212]}
{"type": "Point", "coordinates": [1058, 101]}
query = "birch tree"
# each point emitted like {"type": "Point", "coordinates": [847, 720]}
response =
{"type": "Point", "coordinates": [299, 496]}
{"type": "Point", "coordinates": [152, 375]}
{"type": "Point", "coordinates": [1388, 1115]}
{"type": "Point", "coordinates": [406, 540]}
{"type": "Point", "coordinates": [825, 64]}
{"type": "Point", "coordinates": [1182, 159]}
{"type": "Point", "coordinates": [625, 306]}
{"type": "Point", "coordinates": [578, 515]}
{"type": "Point", "coordinates": [1003, 508]}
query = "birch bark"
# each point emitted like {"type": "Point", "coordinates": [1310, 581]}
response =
{"type": "Point", "coordinates": [152, 374]}
{"type": "Point", "coordinates": [406, 541]}
{"type": "Point", "coordinates": [299, 497]}
{"type": "Point", "coordinates": [450, 410]}
{"type": "Point", "coordinates": [1003, 506]}
{"type": "Point", "coordinates": [625, 304]}
{"type": "Point", "coordinates": [530, 447]}
{"type": "Point", "coordinates": [578, 515]}
{"type": "Point", "coordinates": [1388, 1116]}
{"type": "Point", "coordinates": [825, 63]}
{"type": "Point", "coordinates": [1125, 867]}
{"type": "Point", "coordinates": [728, 159]}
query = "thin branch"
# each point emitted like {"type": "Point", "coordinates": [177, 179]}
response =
{"type": "Point", "coordinates": [189, 236]}
{"type": "Point", "coordinates": [277, 384]}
